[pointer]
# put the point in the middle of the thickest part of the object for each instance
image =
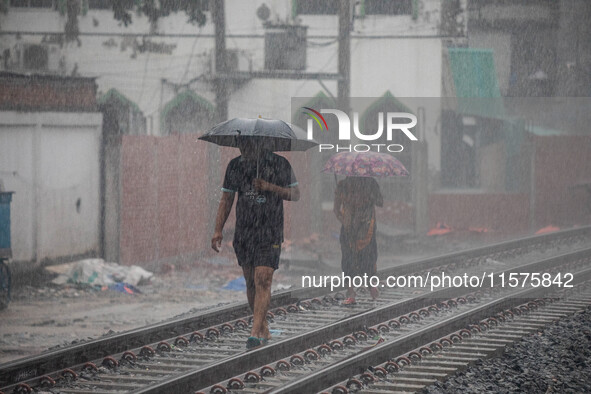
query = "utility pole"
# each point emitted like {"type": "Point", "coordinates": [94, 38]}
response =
{"type": "Point", "coordinates": [218, 16]}
{"type": "Point", "coordinates": [343, 95]}
{"type": "Point", "coordinates": [420, 177]}
{"type": "Point", "coordinates": [344, 56]}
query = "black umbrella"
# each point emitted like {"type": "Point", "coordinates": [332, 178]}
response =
{"type": "Point", "coordinates": [271, 134]}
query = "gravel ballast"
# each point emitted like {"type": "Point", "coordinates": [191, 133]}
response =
{"type": "Point", "coordinates": [555, 360]}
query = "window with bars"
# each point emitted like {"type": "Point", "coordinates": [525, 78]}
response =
{"type": "Point", "coordinates": [107, 4]}
{"type": "Point", "coordinates": [388, 7]}
{"type": "Point", "coordinates": [51, 4]}
{"type": "Point", "coordinates": [370, 7]}
{"type": "Point", "coordinates": [99, 4]}
{"type": "Point", "coordinates": [315, 7]}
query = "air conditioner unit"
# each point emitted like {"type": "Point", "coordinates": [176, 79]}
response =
{"type": "Point", "coordinates": [285, 47]}
{"type": "Point", "coordinates": [35, 57]}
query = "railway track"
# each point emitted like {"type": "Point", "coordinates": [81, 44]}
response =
{"type": "Point", "coordinates": [400, 341]}
{"type": "Point", "coordinates": [192, 353]}
{"type": "Point", "coordinates": [448, 354]}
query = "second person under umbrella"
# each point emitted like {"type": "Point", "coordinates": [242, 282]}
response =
{"type": "Point", "coordinates": [354, 206]}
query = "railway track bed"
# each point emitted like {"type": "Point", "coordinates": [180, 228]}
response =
{"type": "Point", "coordinates": [320, 344]}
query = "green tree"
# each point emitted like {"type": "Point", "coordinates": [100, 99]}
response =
{"type": "Point", "coordinates": [124, 9]}
{"type": "Point", "coordinates": [156, 9]}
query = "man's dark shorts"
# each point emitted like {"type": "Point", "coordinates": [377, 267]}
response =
{"type": "Point", "coordinates": [258, 255]}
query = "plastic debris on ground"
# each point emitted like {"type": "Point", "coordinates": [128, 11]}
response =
{"type": "Point", "coordinates": [124, 288]}
{"type": "Point", "coordinates": [275, 332]}
{"type": "Point", "coordinates": [97, 272]}
{"type": "Point", "coordinates": [238, 284]}
{"type": "Point", "coordinates": [547, 229]}
{"type": "Point", "coordinates": [440, 229]}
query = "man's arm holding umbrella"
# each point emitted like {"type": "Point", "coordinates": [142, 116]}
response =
{"type": "Point", "coordinates": [285, 184]}
{"type": "Point", "coordinates": [290, 193]}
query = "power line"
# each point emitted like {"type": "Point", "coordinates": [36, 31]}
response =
{"type": "Point", "coordinates": [235, 36]}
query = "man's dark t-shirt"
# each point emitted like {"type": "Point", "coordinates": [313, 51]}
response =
{"type": "Point", "coordinates": [259, 215]}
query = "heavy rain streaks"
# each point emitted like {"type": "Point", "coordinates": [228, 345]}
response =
{"type": "Point", "coordinates": [458, 124]}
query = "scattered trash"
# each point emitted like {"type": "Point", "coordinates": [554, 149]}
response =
{"type": "Point", "coordinates": [99, 273]}
{"type": "Point", "coordinates": [125, 288]}
{"type": "Point", "coordinates": [547, 229]}
{"type": "Point", "coordinates": [275, 332]}
{"type": "Point", "coordinates": [238, 284]}
{"type": "Point", "coordinates": [440, 229]}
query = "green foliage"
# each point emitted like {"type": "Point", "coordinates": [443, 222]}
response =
{"type": "Point", "coordinates": [123, 9]}
{"type": "Point", "coordinates": [61, 6]}
{"type": "Point", "coordinates": [156, 9]}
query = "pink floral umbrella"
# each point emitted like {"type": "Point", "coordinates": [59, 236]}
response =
{"type": "Point", "coordinates": [371, 164]}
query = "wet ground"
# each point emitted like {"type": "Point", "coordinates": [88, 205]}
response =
{"type": "Point", "coordinates": [43, 315]}
{"type": "Point", "coordinates": [47, 315]}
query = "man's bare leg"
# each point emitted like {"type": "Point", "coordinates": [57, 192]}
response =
{"type": "Point", "coordinates": [266, 329]}
{"type": "Point", "coordinates": [248, 272]}
{"type": "Point", "coordinates": [263, 278]}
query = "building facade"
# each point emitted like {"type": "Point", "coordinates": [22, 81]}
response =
{"type": "Point", "coordinates": [168, 68]}
{"type": "Point", "coordinates": [50, 138]}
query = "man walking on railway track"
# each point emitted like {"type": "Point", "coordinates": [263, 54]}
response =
{"type": "Point", "coordinates": [262, 180]}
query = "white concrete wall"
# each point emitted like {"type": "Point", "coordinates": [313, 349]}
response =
{"type": "Point", "coordinates": [51, 160]}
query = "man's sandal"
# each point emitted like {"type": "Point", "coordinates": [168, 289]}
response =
{"type": "Point", "coordinates": [254, 342]}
